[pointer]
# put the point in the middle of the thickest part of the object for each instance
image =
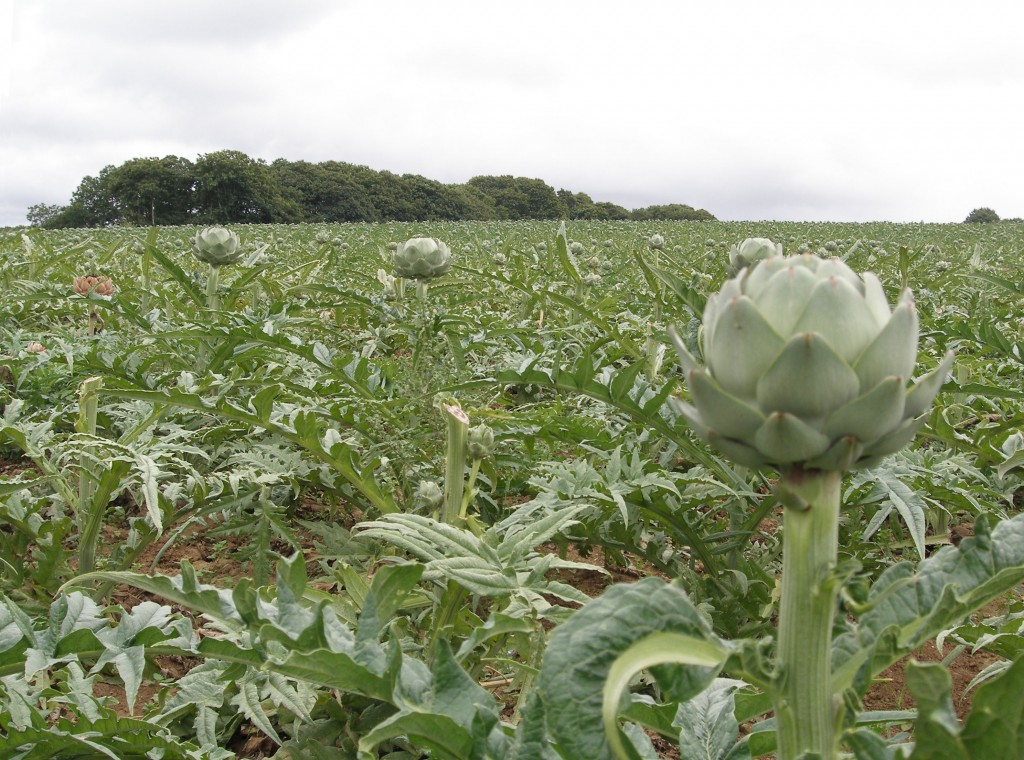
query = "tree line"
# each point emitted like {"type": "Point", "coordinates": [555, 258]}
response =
{"type": "Point", "coordinates": [228, 186]}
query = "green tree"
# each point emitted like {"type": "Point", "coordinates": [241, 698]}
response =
{"type": "Point", "coordinates": [673, 212]}
{"type": "Point", "coordinates": [232, 187]}
{"type": "Point", "coordinates": [982, 216]}
{"type": "Point", "coordinates": [44, 214]}
{"type": "Point", "coordinates": [154, 190]}
{"type": "Point", "coordinates": [92, 204]}
{"type": "Point", "coordinates": [324, 192]}
{"type": "Point", "coordinates": [520, 197]}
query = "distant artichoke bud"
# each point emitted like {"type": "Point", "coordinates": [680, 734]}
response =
{"type": "Point", "coordinates": [421, 258]}
{"type": "Point", "coordinates": [656, 241]}
{"type": "Point", "coordinates": [91, 286]}
{"type": "Point", "coordinates": [807, 368]}
{"type": "Point", "coordinates": [392, 246]}
{"type": "Point", "coordinates": [541, 246]}
{"type": "Point", "coordinates": [428, 495]}
{"type": "Point", "coordinates": [216, 246]}
{"type": "Point", "coordinates": [606, 266]}
{"type": "Point", "coordinates": [592, 278]}
{"type": "Point", "coordinates": [594, 262]}
{"type": "Point", "coordinates": [35, 347]}
{"type": "Point", "coordinates": [323, 237]}
{"type": "Point", "coordinates": [480, 441]}
{"type": "Point", "coordinates": [576, 248]}
{"type": "Point", "coordinates": [500, 259]}
{"type": "Point", "coordinates": [751, 251]}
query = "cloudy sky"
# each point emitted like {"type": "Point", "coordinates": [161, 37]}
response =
{"type": "Point", "coordinates": [752, 109]}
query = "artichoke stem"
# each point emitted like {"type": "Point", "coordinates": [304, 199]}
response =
{"type": "Point", "coordinates": [804, 701]}
{"type": "Point", "coordinates": [422, 286]}
{"type": "Point", "coordinates": [89, 515]}
{"type": "Point", "coordinates": [455, 465]}
{"type": "Point", "coordinates": [212, 286]}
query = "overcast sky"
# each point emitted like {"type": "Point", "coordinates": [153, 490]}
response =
{"type": "Point", "coordinates": [799, 110]}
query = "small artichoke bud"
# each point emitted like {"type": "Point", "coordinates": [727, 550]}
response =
{"type": "Point", "coordinates": [35, 347]}
{"type": "Point", "coordinates": [421, 258]}
{"type": "Point", "coordinates": [606, 266]}
{"type": "Point", "coordinates": [480, 441]}
{"type": "Point", "coordinates": [576, 248]}
{"type": "Point", "coordinates": [500, 259]}
{"type": "Point", "coordinates": [91, 286]}
{"type": "Point", "coordinates": [217, 246]}
{"type": "Point", "coordinates": [591, 279]}
{"type": "Point", "coordinates": [656, 241]}
{"type": "Point", "coordinates": [594, 262]}
{"type": "Point", "coordinates": [428, 495]}
{"type": "Point", "coordinates": [751, 251]}
{"type": "Point", "coordinates": [541, 246]}
{"type": "Point", "coordinates": [806, 368]}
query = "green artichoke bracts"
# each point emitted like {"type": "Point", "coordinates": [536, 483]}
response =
{"type": "Point", "coordinates": [217, 246]}
{"type": "Point", "coordinates": [807, 368]}
{"type": "Point", "coordinates": [421, 258]}
{"type": "Point", "coordinates": [750, 252]}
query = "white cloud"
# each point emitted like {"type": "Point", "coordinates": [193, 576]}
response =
{"type": "Point", "coordinates": [875, 110]}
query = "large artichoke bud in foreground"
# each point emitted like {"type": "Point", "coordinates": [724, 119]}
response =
{"type": "Point", "coordinates": [807, 368]}
{"type": "Point", "coordinates": [750, 252]}
{"type": "Point", "coordinates": [421, 258]}
{"type": "Point", "coordinates": [216, 246]}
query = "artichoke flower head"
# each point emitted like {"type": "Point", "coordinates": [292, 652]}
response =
{"type": "Point", "coordinates": [216, 246]}
{"type": "Point", "coordinates": [421, 258]}
{"type": "Point", "coordinates": [750, 252]}
{"type": "Point", "coordinates": [807, 368]}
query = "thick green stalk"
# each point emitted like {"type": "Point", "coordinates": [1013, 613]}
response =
{"type": "Point", "coordinates": [88, 523]}
{"type": "Point", "coordinates": [455, 463]}
{"type": "Point", "coordinates": [804, 704]}
{"type": "Point", "coordinates": [212, 287]}
{"type": "Point", "coordinates": [422, 287]}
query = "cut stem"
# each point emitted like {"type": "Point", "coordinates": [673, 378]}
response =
{"type": "Point", "coordinates": [804, 701]}
{"type": "Point", "coordinates": [455, 463]}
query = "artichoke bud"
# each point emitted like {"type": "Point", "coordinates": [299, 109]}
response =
{"type": "Point", "coordinates": [217, 246]}
{"type": "Point", "coordinates": [591, 279]}
{"type": "Point", "coordinates": [92, 286]}
{"type": "Point", "coordinates": [428, 495]}
{"type": "Point", "coordinates": [750, 252]}
{"type": "Point", "coordinates": [421, 258]}
{"type": "Point", "coordinates": [806, 367]}
{"type": "Point", "coordinates": [480, 441]}
{"type": "Point", "coordinates": [594, 263]}
{"type": "Point", "coordinates": [576, 248]}
{"type": "Point", "coordinates": [656, 241]}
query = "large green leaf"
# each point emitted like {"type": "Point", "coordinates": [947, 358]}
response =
{"type": "Point", "coordinates": [908, 605]}
{"type": "Point", "coordinates": [592, 656]}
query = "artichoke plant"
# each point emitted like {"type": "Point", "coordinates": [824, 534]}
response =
{"type": "Point", "coordinates": [217, 246]}
{"type": "Point", "coordinates": [750, 252]}
{"type": "Point", "coordinates": [421, 258]}
{"type": "Point", "coordinates": [807, 368]}
{"type": "Point", "coordinates": [806, 372]}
